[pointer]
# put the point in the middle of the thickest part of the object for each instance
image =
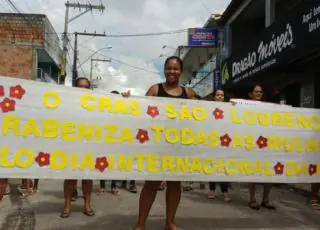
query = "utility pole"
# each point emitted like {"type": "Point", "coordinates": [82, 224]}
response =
{"type": "Point", "coordinates": [75, 54]}
{"type": "Point", "coordinates": [87, 7]}
{"type": "Point", "coordinates": [91, 65]}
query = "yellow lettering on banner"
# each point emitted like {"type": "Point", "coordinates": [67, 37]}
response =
{"type": "Point", "coordinates": [207, 166]}
{"type": "Point", "coordinates": [311, 145]}
{"type": "Point", "coordinates": [267, 170]}
{"type": "Point", "coordinates": [67, 131]}
{"type": "Point", "coordinates": [237, 141]}
{"type": "Point", "coordinates": [98, 133]}
{"type": "Point", "coordinates": [105, 104]}
{"type": "Point", "coordinates": [58, 160]}
{"type": "Point", "coordinates": [182, 164]}
{"type": "Point", "coordinates": [50, 129]}
{"type": "Point", "coordinates": [199, 113]}
{"type": "Point", "coordinates": [171, 111]}
{"type": "Point", "coordinates": [24, 158]}
{"type": "Point", "coordinates": [88, 102]}
{"type": "Point", "coordinates": [315, 123]}
{"type": "Point", "coordinates": [249, 142]}
{"type": "Point", "coordinates": [111, 161]}
{"type": "Point", "coordinates": [249, 117]}
{"type": "Point", "coordinates": [231, 167]}
{"type": "Point", "coordinates": [172, 135]}
{"type": "Point", "coordinates": [257, 167]}
{"type": "Point", "coordinates": [196, 165]}
{"type": "Point", "coordinates": [289, 144]}
{"type": "Point", "coordinates": [140, 159]}
{"type": "Point", "coordinates": [134, 107]}
{"type": "Point", "coordinates": [185, 113]}
{"type": "Point", "coordinates": [275, 143]}
{"type": "Point", "coordinates": [125, 163]}
{"type": "Point", "coordinates": [234, 118]}
{"type": "Point", "coordinates": [111, 132]}
{"type": "Point", "coordinates": [299, 147]}
{"type": "Point", "coordinates": [276, 119]}
{"type": "Point", "coordinates": [303, 169]}
{"type": "Point", "coordinates": [157, 133]}
{"type": "Point", "coordinates": [318, 171]}
{"type": "Point", "coordinates": [126, 135]}
{"type": "Point", "coordinates": [201, 138]}
{"type": "Point", "coordinates": [5, 162]}
{"type": "Point", "coordinates": [220, 166]}
{"type": "Point", "coordinates": [264, 119]}
{"type": "Point", "coordinates": [31, 128]}
{"type": "Point", "coordinates": [11, 123]}
{"type": "Point", "coordinates": [153, 163]}
{"type": "Point", "coordinates": [291, 168]}
{"type": "Point", "coordinates": [303, 121]}
{"type": "Point", "coordinates": [214, 139]}
{"type": "Point", "coordinates": [88, 162]}
{"type": "Point", "coordinates": [167, 164]}
{"type": "Point", "coordinates": [51, 100]}
{"type": "Point", "coordinates": [120, 107]}
{"type": "Point", "coordinates": [288, 120]}
{"type": "Point", "coordinates": [187, 136]}
{"type": "Point", "coordinates": [85, 132]}
{"type": "Point", "coordinates": [74, 161]}
{"type": "Point", "coordinates": [245, 167]}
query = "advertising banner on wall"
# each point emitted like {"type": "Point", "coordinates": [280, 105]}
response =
{"type": "Point", "coordinates": [290, 38]}
{"type": "Point", "coordinates": [202, 37]}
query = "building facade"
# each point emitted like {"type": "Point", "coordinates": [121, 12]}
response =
{"type": "Point", "coordinates": [274, 43]}
{"type": "Point", "coordinates": [29, 47]}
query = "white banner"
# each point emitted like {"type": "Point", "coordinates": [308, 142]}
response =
{"type": "Point", "coordinates": [50, 131]}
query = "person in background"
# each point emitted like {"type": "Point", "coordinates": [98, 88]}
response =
{"type": "Point", "coordinates": [70, 185]}
{"type": "Point", "coordinates": [3, 187]}
{"type": "Point", "coordinates": [171, 88]}
{"type": "Point", "coordinates": [315, 205]}
{"type": "Point", "coordinates": [218, 95]}
{"type": "Point", "coordinates": [256, 94]}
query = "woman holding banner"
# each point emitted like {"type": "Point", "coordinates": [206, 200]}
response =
{"type": "Point", "coordinates": [256, 94]}
{"type": "Point", "coordinates": [70, 185]}
{"type": "Point", "coordinates": [218, 95]}
{"type": "Point", "coordinates": [173, 68]}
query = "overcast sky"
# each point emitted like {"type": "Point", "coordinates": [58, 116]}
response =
{"type": "Point", "coordinates": [127, 17]}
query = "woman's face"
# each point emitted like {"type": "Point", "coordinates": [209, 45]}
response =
{"type": "Point", "coordinates": [172, 71]}
{"type": "Point", "coordinates": [257, 93]}
{"type": "Point", "coordinates": [219, 96]}
{"type": "Point", "coordinates": [83, 84]}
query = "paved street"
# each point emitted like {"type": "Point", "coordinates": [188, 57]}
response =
{"type": "Point", "coordinates": [196, 212]}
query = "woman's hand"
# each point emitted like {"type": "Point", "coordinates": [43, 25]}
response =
{"type": "Point", "coordinates": [126, 94]}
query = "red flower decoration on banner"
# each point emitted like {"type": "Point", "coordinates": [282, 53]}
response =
{"type": "Point", "coordinates": [262, 142]}
{"type": "Point", "coordinates": [153, 111]}
{"type": "Point", "coordinates": [101, 163]}
{"type": "Point", "coordinates": [278, 168]}
{"type": "Point", "coordinates": [142, 135]}
{"type": "Point", "coordinates": [218, 114]}
{"type": "Point", "coordinates": [7, 105]}
{"type": "Point", "coordinates": [1, 91]}
{"type": "Point", "coordinates": [313, 169]}
{"type": "Point", "coordinates": [43, 159]}
{"type": "Point", "coordinates": [17, 91]}
{"type": "Point", "coordinates": [225, 140]}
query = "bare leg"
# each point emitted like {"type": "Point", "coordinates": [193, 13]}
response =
{"type": "Point", "coordinates": [3, 187]}
{"type": "Point", "coordinates": [147, 197]}
{"type": "Point", "coordinates": [252, 199]}
{"type": "Point", "coordinates": [87, 186]}
{"type": "Point", "coordinates": [173, 196]}
{"type": "Point", "coordinates": [68, 187]}
{"type": "Point", "coordinates": [314, 196]}
{"type": "Point", "coordinates": [265, 201]}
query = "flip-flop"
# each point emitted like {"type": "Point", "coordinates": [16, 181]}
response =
{"type": "Point", "coordinates": [115, 191]}
{"type": "Point", "coordinates": [89, 213]}
{"type": "Point", "coordinates": [315, 205]}
{"type": "Point", "coordinates": [65, 214]}
{"type": "Point", "coordinates": [100, 192]}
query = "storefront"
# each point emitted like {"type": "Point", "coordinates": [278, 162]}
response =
{"type": "Point", "coordinates": [284, 58]}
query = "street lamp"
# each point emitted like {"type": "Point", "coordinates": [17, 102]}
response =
{"type": "Point", "coordinates": [108, 47]}
{"type": "Point", "coordinates": [170, 47]}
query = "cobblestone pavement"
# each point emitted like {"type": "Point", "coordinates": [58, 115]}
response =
{"type": "Point", "coordinates": [41, 211]}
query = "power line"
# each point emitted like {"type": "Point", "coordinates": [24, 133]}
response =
{"type": "Point", "coordinates": [205, 6]}
{"type": "Point", "coordinates": [147, 34]}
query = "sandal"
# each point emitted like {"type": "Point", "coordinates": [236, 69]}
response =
{"type": "Point", "coordinates": [133, 189]}
{"type": "Point", "coordinates": [267, 205]}
{"type": "Point", "coordinates": [254, 205]}
{"type": "Point", "coordinates": [315, 205]}
{"type": "Point", "coordinates": [100, 191]}
{"type": "Point", "coordinates": [89, 212]}
{"type": "Point", "coordinates": [115, 191]}
{"type": "Point", "coordinates": [65, 214]}
{"type": "Point", "coordinates": [212, 195]}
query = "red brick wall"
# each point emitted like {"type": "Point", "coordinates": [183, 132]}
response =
{"type": "Point", "coordinates": [16, 61]}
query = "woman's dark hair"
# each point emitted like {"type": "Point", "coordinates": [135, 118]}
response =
{"type": "Point", "coordinates": [115, 92]}
{"type": "Point", "coordinates": [197, 96]}
{"type": "Point", "coordinates": [174, 58]}
{"type": "Point", "coordinates": [83, 78]}
{"type": "Point", "coordinates": [216, 90]}
{"type": "Point", "coordinates": [254, 86]}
